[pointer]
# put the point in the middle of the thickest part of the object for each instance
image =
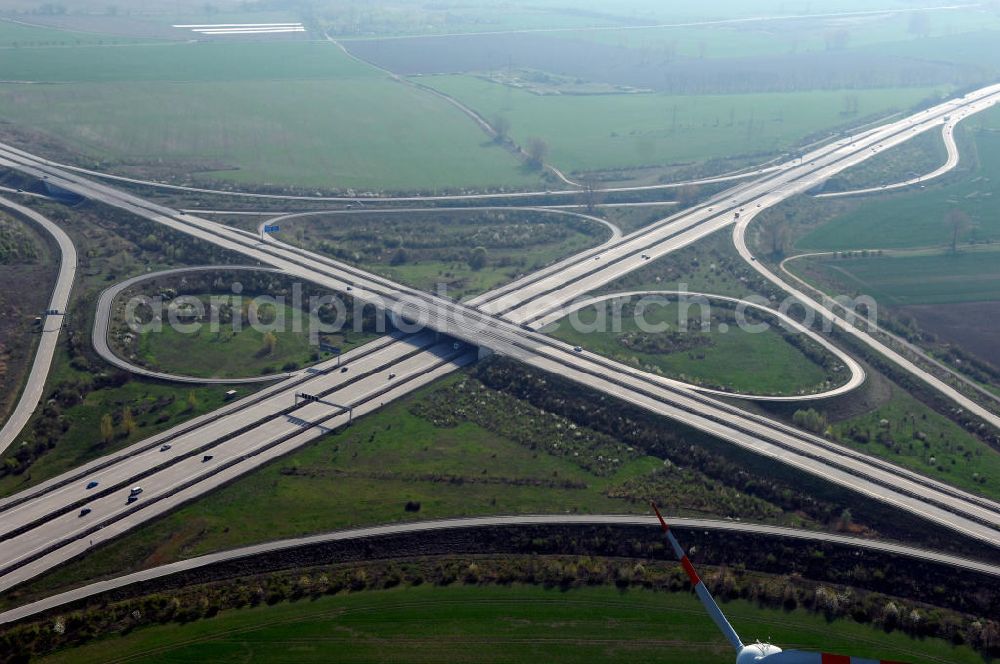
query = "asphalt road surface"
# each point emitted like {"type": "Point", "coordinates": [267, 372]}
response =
{"type": "Point", "coordinates": [34, 386]}
{"type": "Point", "coordinates": [35, 538]}
{"type": "Point", "coordinates": [679, 523]}
{"type": "Point", "coordinates": [948, 134]}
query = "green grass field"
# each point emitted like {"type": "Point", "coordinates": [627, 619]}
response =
{"type": "Point", "coordinates": [939, 277]}
{"type": "Point", "coordinates": [734, 359]}
{"type": "Point", "coordinates": [918, 217]}
{"type": "Point", "coordinates": [738, 39]}
{"type": "Point", "coordinates": [609, 131]}
{"type": "Point", "coordinates": [498, 624]}
{"type": "Point", "coordinates": [182, 62]}
{"type": "Point", "coordinates": [300, 114]}
{"type": "Point", "coordinates": [229, 354]}
{"type": "Point", "coordinates": [17, 37]}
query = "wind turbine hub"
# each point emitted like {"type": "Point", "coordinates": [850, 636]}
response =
{"type": "Point", "coordinates": [756, 652]}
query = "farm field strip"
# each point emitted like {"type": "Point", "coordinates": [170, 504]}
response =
{"type": "Point", "coordinates": [498, 624]}
{"type": "Point", "coordinates": [698, 127]}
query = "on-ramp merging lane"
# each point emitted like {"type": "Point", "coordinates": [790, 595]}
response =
{"type": "Point", "coordinates": [948, 134]}
{"type": "Point", "coordinates": [34, 386]}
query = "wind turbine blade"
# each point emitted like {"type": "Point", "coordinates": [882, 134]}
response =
{"type": "Point", "coordinates": [699, 588]}
{"type": "Point", "coordinates": [803, 657]}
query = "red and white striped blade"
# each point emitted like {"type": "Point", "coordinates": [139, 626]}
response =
{"type": "Point", "coordinates": [714, 612]}
{"type": "Point", "coordinates": [804, 657]}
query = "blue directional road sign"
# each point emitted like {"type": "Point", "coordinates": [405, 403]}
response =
{"type": "Point", "coordinates": [271, 229]}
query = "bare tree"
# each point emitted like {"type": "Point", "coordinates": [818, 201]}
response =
{"type": "Point", "coordinates": [501, 128]}
{"type": "Point", "coordinates": [128, 421]}
{"type": "Point", "coordinates": [537, 150]}
{"type": "Point", "coordinates": [269, 345]}
{"type": "Point", "coordinates": [958, 222]}
{"type": "Point", "coordinates": [776, 238]}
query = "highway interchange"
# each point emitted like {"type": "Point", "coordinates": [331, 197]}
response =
{"type": "Point", "coordinates": [41, 527]}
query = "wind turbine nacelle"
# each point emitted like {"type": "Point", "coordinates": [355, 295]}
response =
{"type": "Point", "coordinates": [755, 653]}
